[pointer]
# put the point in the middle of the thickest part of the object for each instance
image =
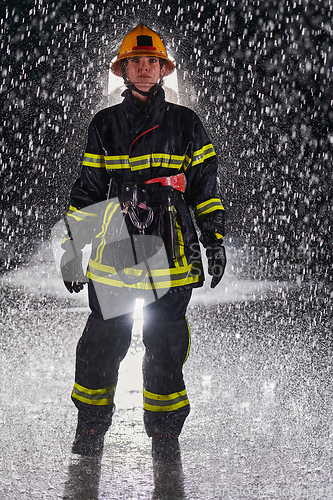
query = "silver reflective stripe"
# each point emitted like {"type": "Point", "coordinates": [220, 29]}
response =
{"type": "Point", "coordinates": [166, 402]}
{"type": "Point", "coordinates": [117, 162]}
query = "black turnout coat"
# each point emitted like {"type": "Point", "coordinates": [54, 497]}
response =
{"type": "Point", "coordinates": [128, 146]}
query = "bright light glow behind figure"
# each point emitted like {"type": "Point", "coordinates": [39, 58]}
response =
{"type": "Point", "coordinates": [116, 86]}
{"type": "Point", "coordinates": [129, 387]}
{"type": "Point", "coordinates": [114, 82]}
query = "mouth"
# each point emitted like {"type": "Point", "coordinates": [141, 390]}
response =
{"type": "Point", "coordinates": [144, 80]}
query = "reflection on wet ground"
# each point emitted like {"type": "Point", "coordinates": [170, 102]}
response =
{"type": "Point", "coordinates": [259, 378]}
{"type": "Point", "coordinates": [84, 473]}
{"type": "Point", "coordinates": [168, 481]}
{"type": "Point", "coordinates": [83, 479]}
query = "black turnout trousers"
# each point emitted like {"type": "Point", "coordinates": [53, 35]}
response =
{"type": "Point", "coordinates": [103, 345]}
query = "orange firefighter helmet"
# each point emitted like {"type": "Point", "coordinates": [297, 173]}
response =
{"type": "Point", "coordinates": [142, 41]}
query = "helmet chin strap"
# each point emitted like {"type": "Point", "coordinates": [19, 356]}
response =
{"type": "Point", "coordinates": [131, 86]}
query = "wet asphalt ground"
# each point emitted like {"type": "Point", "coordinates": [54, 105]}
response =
{"type": "Point", "coordinates": [259, 379]}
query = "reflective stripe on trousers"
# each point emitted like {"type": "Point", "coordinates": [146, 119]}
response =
{"type": "Point", "coordinates": [164, 402]}
{"type": "Point", "coordinates": [103, 396]}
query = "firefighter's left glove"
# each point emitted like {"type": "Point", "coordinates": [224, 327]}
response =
{"type": "Point", "coordinates": [216, 262]}
{"type": "Point", "coordinates": [71, 269]}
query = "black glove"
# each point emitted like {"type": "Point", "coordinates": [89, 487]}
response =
{"type": "Point", "coordinates": [71, 270]}
{"type": "Point", "coordinates": [216, 262]}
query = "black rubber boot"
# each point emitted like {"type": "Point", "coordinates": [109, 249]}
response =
{"type": "Point", "coordinates": [166, 422]}
{"type": "Point", "coordinates": [91, 428]}
{"type": "Point", "coordinates": [165, 448]}
{"type": "Point", "coordinates": [88, 442]}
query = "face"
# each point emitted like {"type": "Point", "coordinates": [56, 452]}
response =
{"type": "Point", "coordinates": [143, 71]}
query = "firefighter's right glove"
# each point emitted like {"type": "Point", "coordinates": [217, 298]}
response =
{"type": "Point", "coordinates": [216, 262]}
{"type": "Point", "coordinates": [71, 269]}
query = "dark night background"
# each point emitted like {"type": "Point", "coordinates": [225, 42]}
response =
{"type": "Point", "coordinates": [258, 73]}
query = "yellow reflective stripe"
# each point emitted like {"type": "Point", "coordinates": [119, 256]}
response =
{"type": "Point", "coordinates": [145, 285]}
{"type": "Point", "coordinates": [156, 160]}
{"type": "Point", "coordinates": [103, 396]}
{"type": "Point", "coordinates": [106, 221]}
{"type": "Point", "coordinates": [79, 214]}
{"type": "Point", "coordinates": [164, 402]}
{"type": "Point", "coordinates": [75, 217]}
{"type": "Point", "coordinates": [219, 236]}
{"type": "Point", "coordinates": [92, 160]}
{"type": "Point", "coordinates": [146, 161]}
{"type": "Point", "coordinates": [74, 209]}
{"type": "Point", "coordinates": [164, 397]}
{"type": "Point", "coordinates": [202, 154]}
{"type": "Point", "coordinates": [117, 162]}
{"type": "Point", "coordinates": [179, 248]}
{"type": "Point", "coordinates": [174, 271]}
{"type": "Point", "coordinates": [140, 163]}
{"type": "Point", "coordinates": [189, 280]}
{"type": "Point", "coordinates": [117, 283]}
{"type": "Point", "coordinates": [159, 282]}
{"type": "Point", "coordinates": [189, 341]}
{"type": "Point", "coordinates": [155, 407]}
{"type": "Point", "coordinates": [187, 161]}
{"type": "Point", "coordinates": [208, 206]}
{"type": "Point", "coordinates": [207, 202]}
{"type": "Point", "coordinates": [131, 271]}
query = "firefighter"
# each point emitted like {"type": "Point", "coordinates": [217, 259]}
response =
{"type": "Point", "coordinates": [147, 163]}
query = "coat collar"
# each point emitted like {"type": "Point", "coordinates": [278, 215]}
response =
{"type": "Point", "coordinates": [135, 115]}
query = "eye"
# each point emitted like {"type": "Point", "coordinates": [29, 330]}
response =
{"type": "Point", "coordinates": [153, 60]}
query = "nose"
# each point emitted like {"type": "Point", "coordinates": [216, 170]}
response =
{"type": "Point", "coordinates": [143, 65]}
